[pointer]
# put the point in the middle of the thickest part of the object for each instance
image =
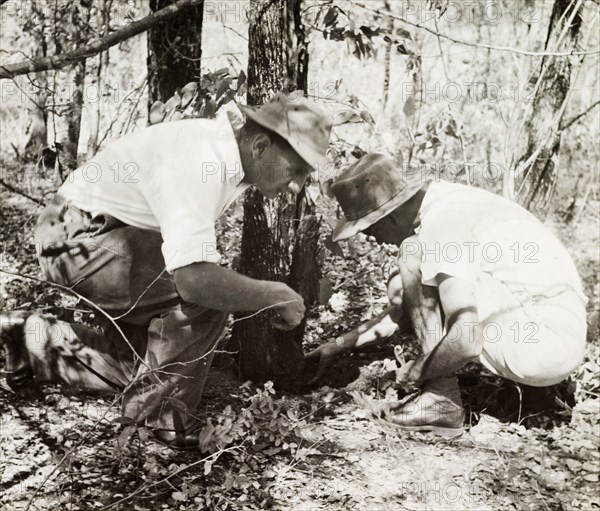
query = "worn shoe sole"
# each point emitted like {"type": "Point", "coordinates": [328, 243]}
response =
{"type": "Point", "coordinates": [438, 430]}
{"type": "Point", "coordinates": [19, 374]}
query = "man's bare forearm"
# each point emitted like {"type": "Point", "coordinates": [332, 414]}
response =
{"type": "Point", "coordinates": [214, 287]}
{"type": "Point", "coordinates": [375, 330]}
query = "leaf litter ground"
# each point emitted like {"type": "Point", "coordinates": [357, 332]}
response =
{"type": "Point", "coordinates": [524, 449]}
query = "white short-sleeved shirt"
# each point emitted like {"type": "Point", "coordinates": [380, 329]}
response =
{"type": "Point", "coordinates": [465, 231]}
{"type": "Point", "coordinates": [530, 300]}
{"type": "Point", "coordinates": [176, 177]}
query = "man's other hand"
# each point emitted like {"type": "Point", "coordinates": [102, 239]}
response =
{"type": "Point", "coordinates": [324, 355]}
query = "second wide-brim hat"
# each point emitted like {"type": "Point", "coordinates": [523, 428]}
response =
{"type": "Point", "coordinates": [370, 189]}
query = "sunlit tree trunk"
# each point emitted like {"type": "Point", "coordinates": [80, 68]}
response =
{"type": "Point", "coordinates": [534, 163]}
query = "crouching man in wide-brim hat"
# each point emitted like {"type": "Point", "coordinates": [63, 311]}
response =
{"type": "Point", "coordinates": [480, 280]}
{"type": "Point", "coordinates": [133, 232]}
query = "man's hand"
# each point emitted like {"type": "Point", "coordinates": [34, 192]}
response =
{"type": "Point", "coordinates": [290, 311]}
{"type": "Point", "coordinates": [324, 355]}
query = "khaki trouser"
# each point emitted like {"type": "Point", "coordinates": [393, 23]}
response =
{"type": "Point", "coordinates": [121, 269]}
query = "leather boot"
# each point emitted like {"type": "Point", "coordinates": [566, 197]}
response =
{"type": "Point", "coordinates": [19, 373]}
{"type": "Point", "coordinates": [437, 407]}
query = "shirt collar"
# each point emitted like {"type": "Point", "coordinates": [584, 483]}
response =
{"type": "Point", "coordinates": [225, 140]}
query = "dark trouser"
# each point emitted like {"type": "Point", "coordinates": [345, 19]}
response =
{"type": "Point", "coordinates": [121, 269]}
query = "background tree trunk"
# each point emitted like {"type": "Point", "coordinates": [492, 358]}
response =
{"type": "Point", "coordinates": [279, 238]}
{"type": "Point", "coordinates": [174, 51]}
{"type": "Point", "coordinates": [75, 110]}
{"type": "Point", "coordinates": [535, 158]}
{"type": "Point", "coordinates": [102, 21]}
{"type": "Point", "coordinates": [387, 59]}
{"type": "Point", "coordinates": [80, 25]}
{"type": "Point", "coordinates": [37, 131]}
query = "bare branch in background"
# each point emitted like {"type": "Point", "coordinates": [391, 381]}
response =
{"type": "Point", "coordinates": [516, 51]}
{"type": "Point", "coordinates": [98, 45]}
{"type": "Point", "coordinates": [572, 121]}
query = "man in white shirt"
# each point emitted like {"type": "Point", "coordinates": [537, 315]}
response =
{"type": "Point", "coordinates": [480, 279]}
{"type": "Point", "coordinates": [133, 231]}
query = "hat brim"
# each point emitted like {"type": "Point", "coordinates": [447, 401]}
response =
{"type": "Point", "coordinates": [347, 228]}
{"type": "Point", "coordinates": [316, 160]}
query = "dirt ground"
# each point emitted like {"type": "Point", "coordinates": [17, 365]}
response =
{"type": "Point", "coordinates": [523, 449]}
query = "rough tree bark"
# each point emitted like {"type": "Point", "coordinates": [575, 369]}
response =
{"type": "Point", "coordinates": [62, 59]}
{"type": "Point", "coordinates": [387, 61]}
{"type": "Point", "coordinates": [535, 157]}
{"type": "Point", "coordinates": [174, 51]}
{"type": "Point", "coordinates": [102, 21]}
{"type": "Point", "coordinates": [79, 28]}
{"type": "Point", "coordinates": [279, 238]}
{"type": "Point", "coordinates": [37, 131]}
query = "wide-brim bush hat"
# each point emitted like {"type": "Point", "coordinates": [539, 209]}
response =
{"type": "Point", "coordinates": [298, 121]}
{"type": "Point", "coordinates": [370, 189]}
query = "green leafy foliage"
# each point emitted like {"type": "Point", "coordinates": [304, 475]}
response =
{"type": "Point", "coordinates": [343, 28]}
{"type": "Point", "coordinates": [200, 99]}
{"type": "Point", "coordinates": [338, 25]}
{"type": "Point", "coordinates": [264, 422]}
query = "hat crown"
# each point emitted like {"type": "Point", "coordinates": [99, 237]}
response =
{"type": "Point", "coordinates": [368, 184]}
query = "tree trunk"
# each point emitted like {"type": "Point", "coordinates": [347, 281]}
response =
{"type": "Point", "coordinates": [535, 157]}
{"type": "Point", "coordinates": [102, 21]}
{"type": "Point", "coordinates": [75, 110]}
{"type": "Point", "coordinates": [279, 237]}
{"type": "Point", "coordinates": [79, 26]}
{"type": "Point", "coordinates": [174, 51]}
{"type": "Point", "coordinates": [37, 131]}
{"type": "Point", "coordinates": [387, 61]}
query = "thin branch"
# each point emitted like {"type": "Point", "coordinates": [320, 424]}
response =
{"type": "Point", "coordinates": [98, 45]}
{"type": "Point", "coordinates": [510, 49]}
{"type": "Point", "coordinates": [456, 122]}
{"type": "Point", "coordinates": [137, 90]}
{"type": "Point", "coordinates": [20, 192]}
{"type": "Point", "coordinates": [242, 36]}
{"type": "Point", "coordinates": [579, 116]}
{"type": "Point", "coordinates": [585, 198]}
{"type": "Point", "coordinates": [261, 310]}
{"type": "Point", "coordinates": [116, 318]}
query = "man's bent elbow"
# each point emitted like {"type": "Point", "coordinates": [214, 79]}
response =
{"type": "Point", "coordinates": [191, 284]}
